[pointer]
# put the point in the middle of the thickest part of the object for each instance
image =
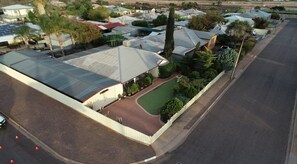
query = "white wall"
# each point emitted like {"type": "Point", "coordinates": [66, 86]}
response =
{"type": "Point", "coordinates": [101, 99]}
{"type": "Point", "coordinates": [155, 72]}
{"type": "Point", "coordinates": [81, 108]}
{"type": "Point", "coordinates": [22, 12]}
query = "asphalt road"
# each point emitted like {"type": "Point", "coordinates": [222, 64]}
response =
{"type": "Point", "coordinates": [21, 150]}
{"type": "Point", "coordinates": [250, 123]}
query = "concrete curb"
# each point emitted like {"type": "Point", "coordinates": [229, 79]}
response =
{"type": "Point", "coordinates": [40, 143]}
{"type": "Point", "coordinates": [290, 159]}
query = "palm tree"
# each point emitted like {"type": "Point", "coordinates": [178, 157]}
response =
{"type": "Point", "coordinates": [46, 26]}
{"type": "Point", "coordinates": [25, 33]}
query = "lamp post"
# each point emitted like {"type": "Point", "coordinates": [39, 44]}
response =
{"type": "Point", "coordinates": [237, 58]}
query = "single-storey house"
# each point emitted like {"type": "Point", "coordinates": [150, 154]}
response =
{"type": "Point", "coordinates": [15, 13]}
{"type": "Point", "coordinates": [94, 78]}
{"type": "Point", "coordinates": [121, 64]}
{"type": "Point", "coordinates": [256, 14]}
{"type": "Point", "coordinates": [185, 41]}
{"type": "Point", "coordinates": [219, 29]}
{"type": "Point", "coordinates": [7, 34]}
{"type": "Point", "coordinates": [234, 18]}
{"type": "Point", "coordinates": [125, 19]}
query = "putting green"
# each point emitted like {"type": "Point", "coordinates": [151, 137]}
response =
{"type": "Point", "coordinates": [154, 100]}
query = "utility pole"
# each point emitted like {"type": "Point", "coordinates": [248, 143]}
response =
{"type": "Point", "coordinates": [237, 58]}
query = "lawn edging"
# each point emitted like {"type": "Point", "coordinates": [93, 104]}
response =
{"type": "Point", "coordinates": [184, 108]}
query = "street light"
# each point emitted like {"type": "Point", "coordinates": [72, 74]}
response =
{"type": "Point", "coordinates": [237, 58]}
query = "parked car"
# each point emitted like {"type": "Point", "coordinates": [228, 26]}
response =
{"type": "Point", "coordinates": [3, 120]}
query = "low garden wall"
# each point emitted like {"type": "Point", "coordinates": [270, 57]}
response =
{"type": "Point", "coordinates": [185, 107]}
{"type": "Point", "coordinates": [114, 125]}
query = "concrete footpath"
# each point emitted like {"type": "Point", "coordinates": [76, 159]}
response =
{"type": "Point", "coordinates": [183, 126]}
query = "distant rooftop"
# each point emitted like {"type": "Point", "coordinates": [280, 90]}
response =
{"type": "Point", "coordinates": [16, 7]}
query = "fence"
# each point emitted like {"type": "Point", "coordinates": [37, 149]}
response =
{"type": "Point", "coordinates": [79, 107]}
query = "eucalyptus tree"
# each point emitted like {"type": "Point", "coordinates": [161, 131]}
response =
{"type": "Point", "coordinates": [40, 5]}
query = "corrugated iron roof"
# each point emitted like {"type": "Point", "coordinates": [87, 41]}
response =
{"type": "Point", "coordinates": [75, 82]}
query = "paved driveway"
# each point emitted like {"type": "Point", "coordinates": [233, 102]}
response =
{"type": "Point", "coordinates": [66, 131]}
{"type": "Point", "coordinates": [133, 115]}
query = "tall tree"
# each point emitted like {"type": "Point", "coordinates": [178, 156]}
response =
{"type": "Point", "coordinates": [238, 30]}
{"type": "Point", "coordinates": [45, 24]}
{"type": "Point", "coordinates": [98, 14]}
{"type": "Point", "coordinates": [40, 5]}
{"type": "Point", "coordinates": [169, 40]}
{"type": "Point", "coordinates": [206, 22]}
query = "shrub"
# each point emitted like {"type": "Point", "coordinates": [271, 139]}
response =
{"type": "Point", "coordinates": [191, 92]}
{"type": "Point", "coordinates": [210, 74]}
{"type": "Point", "coordinates": [170, 108]}
{"type": "Point", "coordinates": [141, 83]}
{"type": "Point", "coordinates": [182, 85]}
{"type": "Point", "coordinates": [133, 88]}
{"type": "Point", "coordinates": [183, 98]}
{"type": "Point", "coordinates": [140, 23]}
{"type": "Point", "coordinates": [194, 75]}
{"type": "Point", "coordinates": [147, 81]}
{"type": "Point", "coordinates": [275, 16]}
{"type": "Point", "coordinates": [227, 58]}
{"type": "Point", "coordinates": [249, 44]}
{"type": "Point", "coordinates": [167, 70]}
{"type": "Point", "coordinates": [261, 23]}
{"type": "Point", "coordinates": [150, 76]}
{"type": "Point", "coordinates": [199, 84]}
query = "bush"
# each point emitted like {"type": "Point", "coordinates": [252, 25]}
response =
{"type": "Point", "coordinates": [191, 92]}
{"type": "Point", "coordinates": [210, 74]}
{"type": "Point", "coordinates": [183, 98]}
{"type": "Point", "coordinates": [261, 23]}
{"type": "Point", "coordinates": [150, 76]}
{"type": "Point", "coordinates": [141, 83]}
{"type": "Point", "coordinates": [147, 81]}
{"type": "Point", "coordinates": [194, 75]}
{"type": "Point", "coordinates": [140, 23]}
{"type": "Point", "coordinates": [199, 84]}
{"type": "Point", "coordinates": [249, 44]}
{"type": "Point", "coordinates": [275, 16]}
{"type": "Point", "coordinates": [170, 108]}
{"type": "Point", "coordinates": [227, 58]}
{"type": "Point", "coordinates": [167, 70]}
{"type": "Point", "coordinates": [133, 88]}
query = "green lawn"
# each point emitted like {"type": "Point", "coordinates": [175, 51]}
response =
{"type": "Point", "coordinates": [154, 100]}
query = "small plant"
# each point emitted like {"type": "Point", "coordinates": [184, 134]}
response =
{"type": "Point", "coordinates": [133, 88]}
{"type": "Point", "coordinates": [170, 108]}
{"type": "Point", "coordinates": [147, 81]}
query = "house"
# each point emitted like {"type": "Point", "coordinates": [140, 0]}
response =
{"type": "Point", "coordinates": [57, 3]}
{"type": "Point", "coordinates": [185, 41]}
{"type": "Point", "coordinates": [121, 64]}
{"type": "Point", "coordinates": [119, 10]}
{"type": "Point", "coordinates": [71, 81]}
{"type": "Point", "coordinates": [93, 78]}
{"type": "Point", "coordinates": [6, 34]}
{"type": "Point", "coordinates": [219, 29]}
{"type": "Point", "coordinates": [15, 13]}
{"type": "Point", "coordinates": [143, 9]}
{"type": "Point", "coordinates": [234, 18]}
{"type": "Point", "coordinates": [256, 14]}
{"type": "Point", "coordinates": [125, 19]}
{"type": "Point", "coordinates": [106, 27]}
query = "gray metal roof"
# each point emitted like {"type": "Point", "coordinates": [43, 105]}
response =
{"type": "Point", "coordinates": [75, 82]}
{"type": "Point", "coordinates": [119, 63]}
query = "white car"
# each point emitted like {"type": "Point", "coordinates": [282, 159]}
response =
{"type": "Point", "coordinates": [2, 120]}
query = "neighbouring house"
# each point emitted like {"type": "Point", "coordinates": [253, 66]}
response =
{"type": "Point", "coordinates": [187, 14]}
{"type": "Point", "coordinates": [260, 33]}
{"type": "Point", "coordinates": [256, 14]}
{"type": "Point", "coordinates": [119, 10]}
{"type": "Point", "coordinates": [106, 27]}
{"type": "Point", "coordinates": [121, 64]}
{"type": "Point", "coordinates": [148, 16]}
{"type": "Point", "coordinates": [125, 19]}
{"type": "Point", "coordinates": [128, 32]}
{"type": "Point", "coordinates": [185, 41]}
{"type": "Point", "coordinates": [234, 18]}
{"type": "Point", "coordinates": [184, 23]}
{"type": "Point", "coordinates": [219, 29]}
{"type": "Point", "coordinates": [6, 34]}
{"type": "Point", "coordinates": [15, 13]}
{"type": "Point", "coordinates": [143, 9]}
{"type": "Point", "coordinates": [57, 3]}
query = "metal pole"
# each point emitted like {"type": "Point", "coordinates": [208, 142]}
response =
{"type": "Point", "coordinates": [237, 58]}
